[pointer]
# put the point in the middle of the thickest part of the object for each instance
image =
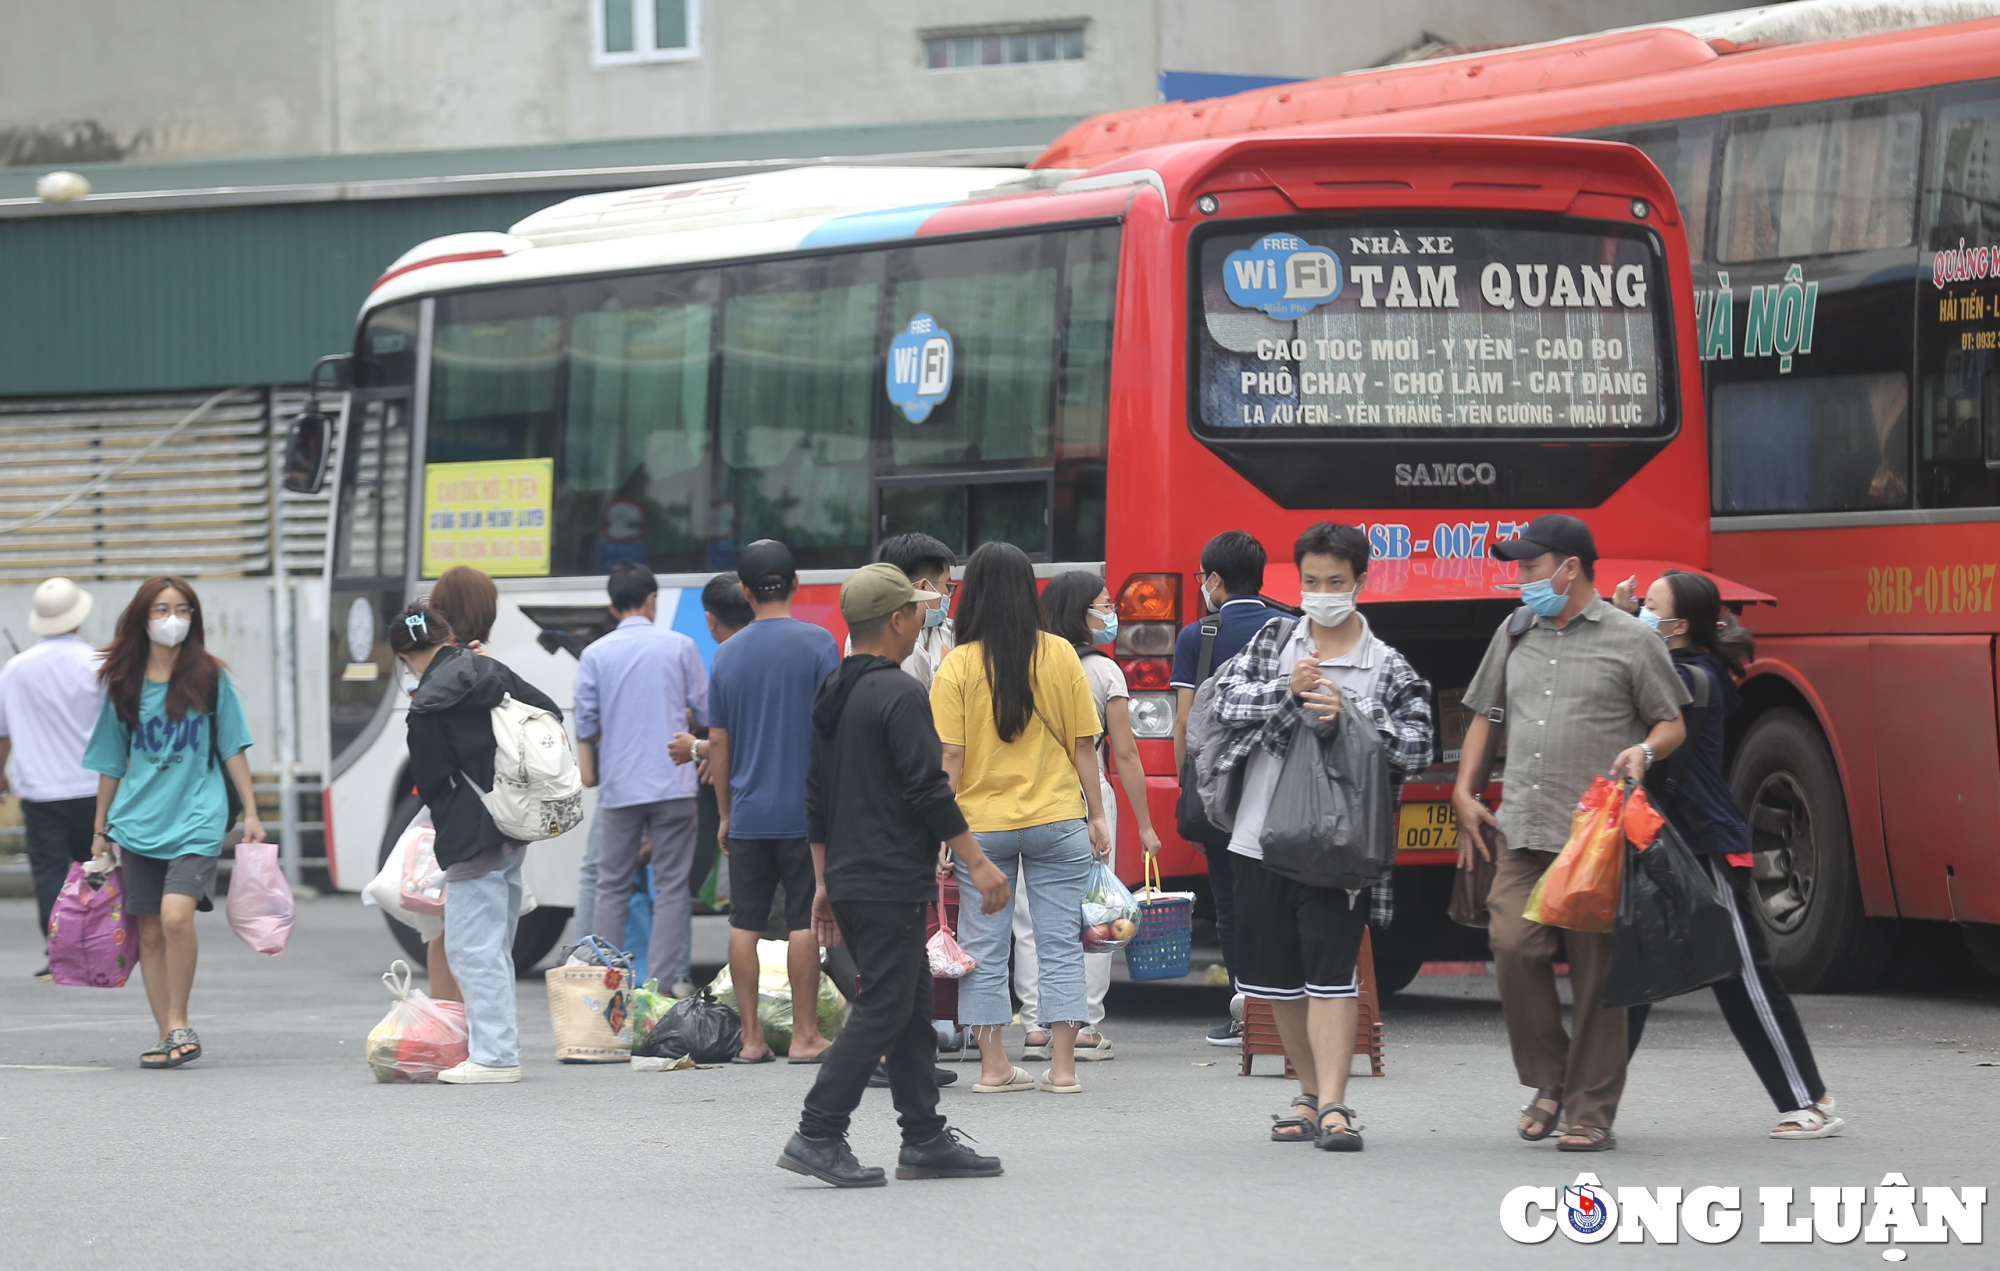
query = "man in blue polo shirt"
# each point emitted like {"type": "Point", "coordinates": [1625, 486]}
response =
{"type": "Point", "coordinates": [1230, 583]}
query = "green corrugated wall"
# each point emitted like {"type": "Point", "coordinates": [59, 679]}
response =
{"type": "Point", "coordinates": [195, 299]}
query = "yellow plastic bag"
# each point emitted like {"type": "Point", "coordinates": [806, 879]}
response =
{"type": "Point", "coordinates": [1580, 890]}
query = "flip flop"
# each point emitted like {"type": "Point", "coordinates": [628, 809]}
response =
{"type": "Point", "coordinates": [1017, 1079]}
{"type": "Point", "coordinates": [805, 1059]}
{"type": "Point", "coordinates": [765, 1058]}
{"type": "Point", "coordinates": [175, 1040]}
{"type": "Point", "coordinates": [159, 1048]}
{"type": "Point", "coordinates": [1048, 1086]}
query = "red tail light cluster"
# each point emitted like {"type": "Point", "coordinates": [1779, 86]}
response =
{"type": "Point", "coordinates": [1149, 617]}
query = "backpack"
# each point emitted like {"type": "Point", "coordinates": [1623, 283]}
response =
{"type": "Point", "coordinates": [1206, 734]}
{"type": "Point", "coordinates": [537, 788]}
{"type": "Point", "coordinates": [1190, 818]}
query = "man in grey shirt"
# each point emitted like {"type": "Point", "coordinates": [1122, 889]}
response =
{"type": "Point", "coordinates": [1587, 685]}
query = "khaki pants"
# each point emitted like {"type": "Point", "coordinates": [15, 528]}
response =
{"type": "Point", "coordinates": [1587, 1063]}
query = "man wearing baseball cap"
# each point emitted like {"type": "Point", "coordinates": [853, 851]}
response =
{"type": "Point", "coordinates": [877, 806]}
{"type": "Point", "coordinates": [49, 702]}
{"type": "Point", "coordinates": [1588, 689]}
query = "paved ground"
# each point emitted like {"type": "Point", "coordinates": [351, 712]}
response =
{"type": "Point", "coordinates": [279, 1150]}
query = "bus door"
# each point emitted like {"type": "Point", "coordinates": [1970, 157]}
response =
{"type": "Point", "coordinates": [370, 569]}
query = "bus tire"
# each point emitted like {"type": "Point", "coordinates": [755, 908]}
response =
{"type": "Point", "coordinates": [539, 929]}
{"type": "Point", "coordinates": [1809, 890]}
{"type": "Point", "coordinates": [1393, 973]}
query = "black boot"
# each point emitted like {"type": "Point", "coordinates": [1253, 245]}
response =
{"type": "Point", "coordinates": [830, 1161]}
{"type": "Point", "coordinates": [945, 1156]}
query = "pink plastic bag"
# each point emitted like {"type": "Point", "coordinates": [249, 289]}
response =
{"type": "Point", "coordinates": [423, 881]}
{"type": "Point", "coordinates": [260, 905]}
{"type": "Point", "coordinates": [93, 942]}
{"type": "Point", "coordinates": [949, 961]}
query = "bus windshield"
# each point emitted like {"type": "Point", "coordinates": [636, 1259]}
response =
{"type": "Point", "coordinates": [1401, 327]}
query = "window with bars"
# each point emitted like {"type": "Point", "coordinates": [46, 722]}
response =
{"type": "Point", "coordinates": [959, 50]}
{"type": "Point", "coordinates": [632, 32]}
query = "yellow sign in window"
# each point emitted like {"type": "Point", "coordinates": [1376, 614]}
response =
{"type": "Point", "coordinates": [493, 516]}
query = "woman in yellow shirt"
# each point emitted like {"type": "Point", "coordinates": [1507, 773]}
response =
{"type": "Point", "coordinates": [1019, 726]}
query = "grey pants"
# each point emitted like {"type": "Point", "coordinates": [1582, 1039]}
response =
{"type": "Point", "coordinates": [670, 825]}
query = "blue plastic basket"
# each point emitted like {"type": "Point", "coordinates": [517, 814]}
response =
{"type": "Point", "coordinates": [1164, 947]}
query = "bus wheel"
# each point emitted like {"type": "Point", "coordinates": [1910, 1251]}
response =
{"type": "Point", "coordinates": [533, 938]}
{"type": "Point", "coordinates": [1393, 974]}
{"type": "Point", "coordinates": [1804, 882]}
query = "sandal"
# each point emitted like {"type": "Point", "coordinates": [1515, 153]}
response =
{"type": "Point", "coordinates": [1814, 1122]}
{"type": "Point", "coordinates": [1345, 1137]}
{"type": "Point", "coordinates": [1544, 1118]}
{"type": "Point", "coordinates": [160, 1048]}
{"type": "Point", "coordinates": [1017, 1079]}
{"type": "Point", "coordinates": [1096, 1050]}
{"type": "Point", "coordinates": [1306, 1127]}
{"type": "Point", "coordinates": [182, 1039]}
{"type": "Point", "coordinates": [1586, 1138]}
{"type": "Point", "coordinates": [1043, 1049]}
{"type": "Point", "coordinates": [1047, 1085]}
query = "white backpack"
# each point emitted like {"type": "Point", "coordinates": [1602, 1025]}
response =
{"type": "Point", "coordinates": [537, 789]}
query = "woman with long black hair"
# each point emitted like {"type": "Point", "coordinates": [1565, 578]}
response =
{"type": "Point", "coordinates": [1014, 711]}
{"type": "Point", "coordinates": [170, 736]}
{"type": "Point", "coordinates": [1076, 607]}
{"type": "Point", "coordinates": [1710, 654]}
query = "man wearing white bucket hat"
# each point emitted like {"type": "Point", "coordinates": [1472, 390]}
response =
{"type": "Point", "coordinates": [49, 702]}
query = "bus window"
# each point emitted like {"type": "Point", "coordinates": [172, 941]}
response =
{"type": "Point", "coordinates": [1832, 443]}
{"type": "Point", "coordinates": [495, 361]}
{"type": "Point", "coordinates": [374, 514]}
{"type": "Point", "coordinates": [1818, 180]}
{"type": "Point", "coordinates": [966, 514]}
{"type": "Point", "coordinates": [799, 382]}
{"type": "Point", "coordinates": [386, 353]}
{"type": "Point", "coordinates": [634, 467]}
{"type": "Point", "coordinates": [1083, 401]}
{"type": "Point", "coordinates": [1959, 458]}
{"type": "Point", "coordinates": [1685, 152]}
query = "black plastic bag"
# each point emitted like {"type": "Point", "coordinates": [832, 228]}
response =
{"type": "Point", "coordinates": [1332, 817]}
{"type": "Point", "coordinates": [1674, 933]}
{"type": "Point", "coordinates": [698, 1027]}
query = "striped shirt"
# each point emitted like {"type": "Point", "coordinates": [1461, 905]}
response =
{"type": "Point", "coordinates": [1577, 695]}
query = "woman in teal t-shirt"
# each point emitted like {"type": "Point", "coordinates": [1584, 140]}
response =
{"type": "Point", "coordinates": [170, 734]}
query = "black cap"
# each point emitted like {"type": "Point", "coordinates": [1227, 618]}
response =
{"type": "Point", "coordinates": [1553, 532]}
{"type": "Point", "coordinates": [766, 565]}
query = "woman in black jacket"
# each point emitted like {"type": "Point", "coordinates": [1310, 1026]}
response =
{"type": "Point", "coordinates": [1689, 787]}
{"type": "Point", "coordinates": [451, 762]}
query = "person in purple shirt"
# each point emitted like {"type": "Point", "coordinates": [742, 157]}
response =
{"type": "Point", "coordinates": [636, 687]}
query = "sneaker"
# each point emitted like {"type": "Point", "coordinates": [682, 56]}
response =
{"type": "Point", "coordinates": [879, 1079]}
{"type": "Point", "coordinates": [945, 1156]}
{"type": "Point", "coordinates": [471, 1074]}
{"type": "Point", "coordinates": [1226, 1034]}
{"type": "Point", "coordinates": [829, 1161]}
{"type": "Point", "coordinates": [44, 974]}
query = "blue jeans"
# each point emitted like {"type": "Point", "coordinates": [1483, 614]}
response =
{"type": "Point", "coordinates": [479, 919]}
{"type": "Point", "coordinates": [1052, 863]}
{"type": "Point", "coordinates": [585, 917]}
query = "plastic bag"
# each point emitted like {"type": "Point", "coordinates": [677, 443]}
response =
{"type": "Point", "coordinates": [948, 960]}
{"type": "Point", "coordinates": [385, 891]}
{"type": "Point", "coordinates": [260, 907]}
{"type": "Point", "coordinates": [774, 996]}
{"type": "Point", "coordinates": [1110, 914]}
{"type": "Point", "coordinates": [1674, 932]}
{"type": "Point", "coordinates": [93, 942]}
{"type": "Point", "coordinates": [423, 880]}
{"type": "Point", "coordinates": [1332, 817]}
{"type": "Point", "coordinates": [648, 1005]}
{"type": "Point", "coordinates": [419, 1038]}
{"type": "Point", "coordinates": [698, 1028]}
{"type": "Point", "coordinates": [1642, 821]}
{"type": "Point", "coordinates": [1580, 890]}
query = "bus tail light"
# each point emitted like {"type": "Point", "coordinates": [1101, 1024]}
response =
{"type": "Point", "coordinates": [1153, 674]}
{"type": "Point", "coordinates": [1150, 598]}
{"type": "Point", "coordinates": [1153, 715]}
{"type": "Point", "coordinates": [1146, 640]}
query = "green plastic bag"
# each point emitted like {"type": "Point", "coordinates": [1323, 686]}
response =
{"type": "Point", "coordinates": [648, 1004]}
{"type": "Point", "coordinates": [774, 997]}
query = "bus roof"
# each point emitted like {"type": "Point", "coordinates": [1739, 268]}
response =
{"type": "Point", "coordinates": [1735, 60]}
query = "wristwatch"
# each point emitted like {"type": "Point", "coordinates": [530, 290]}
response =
{"type": "Point", "coordinates": [1647, 748]}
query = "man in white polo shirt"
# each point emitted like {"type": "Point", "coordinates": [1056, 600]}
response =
{"type": "Point", "coordinates": [49, 702]}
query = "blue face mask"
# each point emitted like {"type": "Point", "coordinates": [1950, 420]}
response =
{"type": "Point", "coordinates": [1541, 597]}
{"type": "Point", "coordinates": [1109, 633]}
{"type": "Point", "coordinates": [1650, 618]}
{"type": "Point", "coordinates": [934, 616]}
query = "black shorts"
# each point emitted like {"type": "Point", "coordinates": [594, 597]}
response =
{"type": "Point", "coordinates": [148, 879]}
{"type": "Point", "coordinates": [1293, 941]}
{"type": "Point", "coordinates": [756, 867]}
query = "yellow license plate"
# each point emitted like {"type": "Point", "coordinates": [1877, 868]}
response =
{"type": "Point", "coordinates": [1423, 827]}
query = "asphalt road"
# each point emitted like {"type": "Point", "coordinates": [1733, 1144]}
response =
{"type": "Point", "coordinates": [278, 1149]}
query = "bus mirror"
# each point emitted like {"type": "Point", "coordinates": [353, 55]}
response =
{"type": "Point", "coordinates": [306, 450]}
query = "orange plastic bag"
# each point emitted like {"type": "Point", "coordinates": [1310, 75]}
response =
{"type": "Point", "coordinates": [1580, 891]}
{"type": "Point", "coordinates": [1642, 820]}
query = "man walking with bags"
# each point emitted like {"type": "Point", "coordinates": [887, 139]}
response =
{"type": "Point", "coordinates": [1584, 685]}
{"type": "Point", "coordinates": [877, 805]}
{"type": "Point", "coordinates": [1298, 945]}
{"type": "Point", "coordinates": [49, 702]}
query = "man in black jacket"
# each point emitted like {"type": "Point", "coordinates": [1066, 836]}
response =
{"type": "Point", "coordinates": [877, 805]}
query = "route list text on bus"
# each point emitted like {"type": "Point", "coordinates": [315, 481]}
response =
{"type": "Point", "coordinates": [1471, 328]}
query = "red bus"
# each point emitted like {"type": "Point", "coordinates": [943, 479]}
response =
{"type": "Point", "coordinates": [1431, 337]}
{"type": "Point", "coordinates": [1842, 198]}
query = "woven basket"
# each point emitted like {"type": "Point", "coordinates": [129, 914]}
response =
{"type": "Point", "coordinates": [1164, 947]}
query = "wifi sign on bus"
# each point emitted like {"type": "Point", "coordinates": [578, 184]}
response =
{"type": "Point", "coordinates": [920, 361]}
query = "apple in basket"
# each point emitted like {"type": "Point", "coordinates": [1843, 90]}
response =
{"type": "Point", "coordinates": [1124, 929]}
{"type": "Point", "coordinates": [1097, 937]}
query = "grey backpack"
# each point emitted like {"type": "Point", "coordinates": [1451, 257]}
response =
{"type": "Point", "coordinates": [1206, 735]}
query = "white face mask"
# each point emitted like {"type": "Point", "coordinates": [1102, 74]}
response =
{"type": "Point", "coordinates": [1328, 608]}
{"type": "Point", "coordinates": [170, 630]}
